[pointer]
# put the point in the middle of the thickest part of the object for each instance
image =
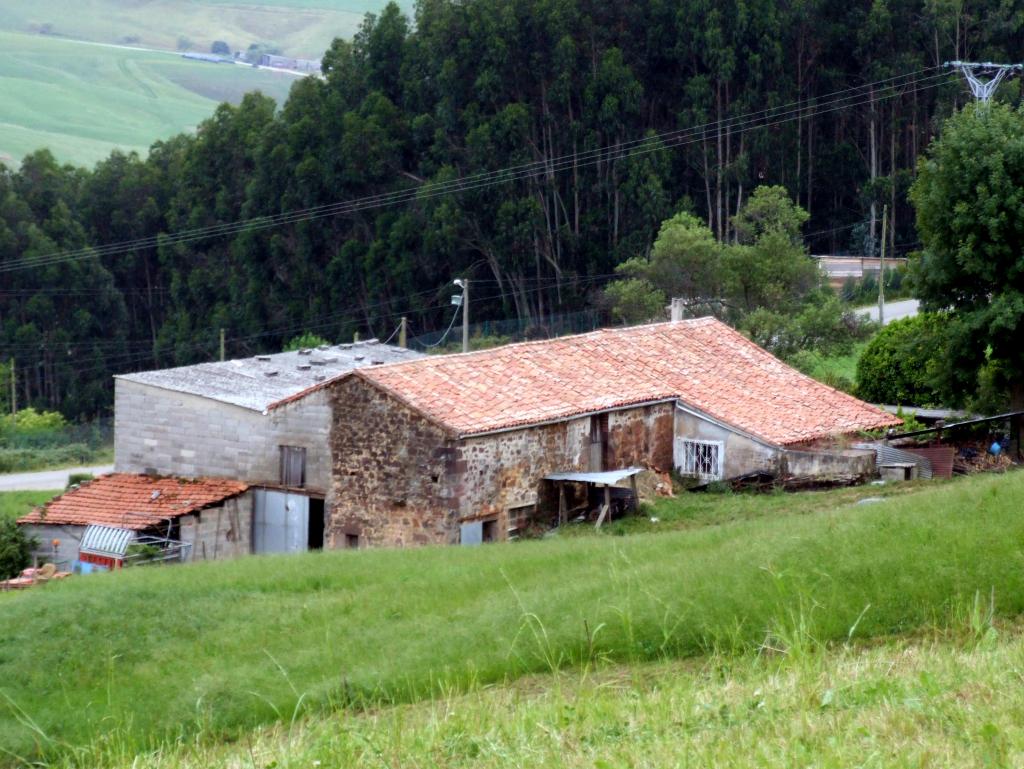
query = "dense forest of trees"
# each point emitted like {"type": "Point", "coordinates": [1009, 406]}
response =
{"type": "Point", "coordinates": [463, 88]}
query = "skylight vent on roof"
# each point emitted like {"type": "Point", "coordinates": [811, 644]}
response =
{"type": "Point", "coordinates": [376, 362]}
{"type": "Point", "coordinates": [317, 361]}
{"type": "Point", "coordinates": [320, 377]}
{"type": "Point", "coordinates": [324, 347]}
{"type": "Point", "coordinates": [303, 367]}
{"type": "Point", "coordinates": [359, 357]}
{"type": "Point", "coordinates": [270, 373]}
{"type": "Point", "coordinates": [305, 352]}
{"type": "Point", "coordinates": [263, 357]}
{"type": "Point", "coordinates": [345, 346]}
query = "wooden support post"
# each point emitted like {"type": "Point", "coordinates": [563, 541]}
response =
{"type": "Point", "coordinates": [403, 333]}
{"type": "Point", "coordinates": [606, 508]}
{"type": "Point", "coordinates": [636, 494]}
{"type": "Point", "coordinates": [562, 514]}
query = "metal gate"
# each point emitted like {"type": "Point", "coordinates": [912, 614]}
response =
{"type": "Point", "coordinates": [280, 522]}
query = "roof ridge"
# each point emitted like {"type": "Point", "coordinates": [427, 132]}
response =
{"type": "Point", "coordinates": [603, 331]}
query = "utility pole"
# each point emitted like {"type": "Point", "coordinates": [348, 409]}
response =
{"type": "Point", "coordinates": [465, 315]}
{"type": "Point", "coordinates": [402, 332]}
{"type": "Point", "coordinates": [222, 344]}
{"type": "Point", "coordinates": [14, 392]}
{"type": "Point", "coordinates": [881, 267]}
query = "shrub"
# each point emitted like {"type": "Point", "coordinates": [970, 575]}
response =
{"type": "Point", "coordinates": [902, 362]}
{"type": "Point", "coordinates": [305, 341]}
{"type": "Point", "coordinates": [75, 479]}
{"type": "Point", "coordinates": [15, 549]}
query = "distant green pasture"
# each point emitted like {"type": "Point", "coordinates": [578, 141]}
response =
{"type": "Point", "coordinates": [299, 27]}
{"type": "Point", "coordinates": [82, 101]}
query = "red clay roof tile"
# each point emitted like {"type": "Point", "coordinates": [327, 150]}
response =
{"type": "Point", "coordinates": [134, 501]}
{"type": "Point", "coordinates": [703, 363]}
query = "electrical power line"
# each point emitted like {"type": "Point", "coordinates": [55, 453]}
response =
{"type": "Point", "coordinates": [886, 89]}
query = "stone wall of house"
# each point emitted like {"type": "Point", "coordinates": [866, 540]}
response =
{"type": "Point", "coordinates": [391, 468]}
{"type": "Point", "coordinates": [741, 454]}
{"type": "Point", "coordinates": [641, 437]}
{"type": "Point", "coordinates": [172, 433]}
{"type": "Point", "coordinates": [401, 480]}
{"type": "Point", "coordinates": [503, 472]}
{"type": "Point", "coordinates": [219, 532]}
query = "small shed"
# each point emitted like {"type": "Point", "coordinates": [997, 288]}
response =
{"type": "Point", "coordinates": [611, 496]}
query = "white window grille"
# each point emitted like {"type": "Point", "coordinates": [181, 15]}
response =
{"type": "Point", "coordinates": [699, 459]}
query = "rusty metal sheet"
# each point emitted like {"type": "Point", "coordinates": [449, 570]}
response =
{"type": "Point", "coordinates": [941, 458]}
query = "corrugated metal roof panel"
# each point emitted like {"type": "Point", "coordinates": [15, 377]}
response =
{"type": "Point", "coordinates": [887, 455]}
{"type": "Point", "coordinates": [608, 478]}
{"type": "Point", "coordinates": [107, 541]}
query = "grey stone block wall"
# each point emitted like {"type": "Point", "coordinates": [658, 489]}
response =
{"type": "Point", "coordinates": [176, 433]}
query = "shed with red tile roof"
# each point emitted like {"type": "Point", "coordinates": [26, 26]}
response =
{"type": "Point", "coordinates": [145, 503]}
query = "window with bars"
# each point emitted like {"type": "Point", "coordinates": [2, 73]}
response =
{"type": "Point", "coordinates": [699, 459]}
{"type": "Point", "coordinates": [293, 466]}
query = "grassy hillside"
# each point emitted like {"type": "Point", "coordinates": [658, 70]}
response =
{"type": "Point", "coordinates": [150, 656]}
{"type": "Point", "coordinates": [934, 701]}
{"type": "Point", "coordinates": [83, 100]}
{"type": "Point", "coordinates": [298, 27]}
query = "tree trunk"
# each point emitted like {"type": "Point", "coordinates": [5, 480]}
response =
{"type": "Point", "coordinates": [873, 163]}
{"type": "Point", "coordinates": [1017, 422]}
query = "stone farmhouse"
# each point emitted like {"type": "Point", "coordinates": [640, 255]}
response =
{"type": "Point", "coordinates": [364, 444]}
{"type": "Point", "coordinates": [466, 447]}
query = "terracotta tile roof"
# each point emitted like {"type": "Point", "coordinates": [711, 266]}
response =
{"type": "Point", "coordinates": [134, 501]}
{"type": "Point", "coordinates": [703, 363]}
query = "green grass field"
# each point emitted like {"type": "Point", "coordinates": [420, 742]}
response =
{"type": "Point", "coordinates": [299, 27]}
{"type": "Point", "coordinates": [82, 100]}
{"type": "Point", "coordinates": [114, 664]}
{"type": "Point", "coordinates": [14, 504]}
{"type": "Point", "coordinates": [931, 701]}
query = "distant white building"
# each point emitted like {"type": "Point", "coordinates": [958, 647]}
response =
{"type": "Point", "coordinates": [839, 269]}
{"type": "Point", "coordinates": [311, 66]}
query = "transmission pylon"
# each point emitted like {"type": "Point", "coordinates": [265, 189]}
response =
{"type": "Point", "coordinates": [973, 73]}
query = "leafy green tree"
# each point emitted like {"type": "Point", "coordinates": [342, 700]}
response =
{"type": "Point", "coordinates": [969, 198]}
{"type": "Point", "coordinates": [685, 262]}
{"type": "Point", "coordinates": [769, 267]}
{"type": "Point", "coordinates": [15, 549]}
{"type": "Point", "coordinates": [901, 363]}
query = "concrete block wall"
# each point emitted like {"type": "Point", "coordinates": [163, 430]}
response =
{"type": "Point", "coordinates": [220, 532]}
{"type": "Point", "coordinates": [176, 433]}
{"type": "Point", "coordinates": [68, 538]}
